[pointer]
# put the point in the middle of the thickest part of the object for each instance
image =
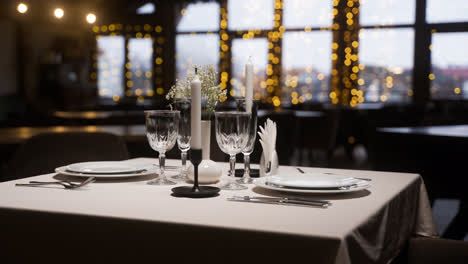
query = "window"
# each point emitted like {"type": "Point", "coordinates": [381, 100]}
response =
{"type": "Point", "coordinates": [441, 11]}
{"type": "Point", "coordinates": [449, 76]}
{"type": "Point", "coordinates": [449, 57]}
{"type": "Point", "coordinates": [313, 13]}
{"type": "Point", "coordinates": [110, 60]}
{"type": "Point", "coordinates": [248, 24]}
{"type": "Point", "coordinates": [196, 43]}
{"type": "Point", "coordinates": [303, 51]}
{"type": "Point", "coordinates": [386, 57]}
{"type": "Point", "coordinates": [387, 12]}
{"type": "Point", "coordinates": [140, 53]}
{"type": "Point", "coordinates": [200, 49]}
{"type": "Point", "coordinates": [146, 9]}
{"type": "Point", "coordinates": [242, 49]}
{"type": "Point", "coordinates": [127, 62]}
{"type": "Point", "coordinates": [199, 17]}
{"type": "Point", "coordinates": [286, 40]}
{"type": "Point", "coordinates": [386, 53]}
{"type": "Point", "coordinates": [306, 66]}
{"type": "Point", "coordinates": [306, 52]}
{"type": "Point", "coordinates": [250, 14]}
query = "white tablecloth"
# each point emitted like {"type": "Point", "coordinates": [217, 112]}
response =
{"type": "Point", "coordinates": [129, 218]}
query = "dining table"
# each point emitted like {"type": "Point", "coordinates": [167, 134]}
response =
{"type": "Point", "coordinates": [438, 154]}
{"type": "Point", "coordinates": [128, 221]}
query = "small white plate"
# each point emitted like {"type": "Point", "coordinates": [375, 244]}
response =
{"type": "Point", "coordinates": [360, 185]}
{"type": "Point", "coordinates": [311, 180]}
{"type": "Point", "coordinates": [148, 171]}
{"type": "Point", "coordinates": [103, 167]}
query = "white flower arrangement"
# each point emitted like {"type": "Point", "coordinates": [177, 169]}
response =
{"type": "Point", "coordinates": [211, 91]}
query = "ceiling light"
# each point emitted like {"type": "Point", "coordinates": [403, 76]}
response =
{"type": "Point", "coordinates": [22, 8]}
{"type": "Point", "coordinates": [58, 13]}
{"type": "Point", "coordinates": [91, 18]}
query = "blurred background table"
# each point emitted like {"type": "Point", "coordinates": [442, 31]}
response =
{"type": "Point", "coordinates": [438, 153]}
{"type": "Point", "coordinates": [17, 135]}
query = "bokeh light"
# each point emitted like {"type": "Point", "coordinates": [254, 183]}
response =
{"type": "Point", "coordinates": [22, 8]}
{"type": "Point", "coordinates": [58, 13]}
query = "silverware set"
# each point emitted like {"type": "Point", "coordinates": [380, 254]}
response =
{"type": "Point", "coordinates": [65, 184]}
{"type": "Point", "coordinates": [281, 201]}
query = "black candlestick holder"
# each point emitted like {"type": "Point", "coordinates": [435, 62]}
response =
{"type": "Point", "coordinates": [195, 191]}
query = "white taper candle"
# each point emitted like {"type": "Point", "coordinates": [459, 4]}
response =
{"type": "Point", "coordinates": [195, 112]}
{"type": "Point", "coordinates": [249, 76]}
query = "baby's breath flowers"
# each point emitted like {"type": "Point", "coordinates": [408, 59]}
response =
{"type": "Point", "coordinates": [211, 91]}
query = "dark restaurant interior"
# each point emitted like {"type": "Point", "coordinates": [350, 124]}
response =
{"type": "Point", "coordinates": [351, 84]}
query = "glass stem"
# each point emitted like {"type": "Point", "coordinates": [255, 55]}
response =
{"type": "Point", "coordinates": [246, 166]}
{"type": "Point", "coordinates": [232, 166]}
{"type": "Point", "coordinates": [184, 162]}
{"type": "Point", "coordinates": [162, 161]}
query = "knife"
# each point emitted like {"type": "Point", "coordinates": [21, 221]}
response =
{"type": "Point", "coordinates": [284, 201]}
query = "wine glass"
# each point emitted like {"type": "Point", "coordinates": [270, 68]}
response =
{"type": "Point", "coordinates": [183, 139]}
{"type": "Point", "coordinates": [161, 130]}
{"type": "Point", "coordinates": [252, 135]}
{"type": "Point", "coordinates": [232, 129]}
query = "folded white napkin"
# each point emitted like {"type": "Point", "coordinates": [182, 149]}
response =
{"type": "Point", "coordinates": [268, 140]}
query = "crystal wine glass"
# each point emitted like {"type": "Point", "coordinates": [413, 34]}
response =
{"type": "Point", "coordinates": [232, 129]}
{"type": "Point", "coordinates": [252, 135]}
{"type": "Point", "coordinates": [183, 139]}
{"type": "Point", "coordinates": [161, 130]}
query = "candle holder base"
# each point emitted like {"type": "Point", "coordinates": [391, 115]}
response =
{"type": "Point", "coordinates": [201, 192]}
{"type": "Point", "coordinates": [195, 191]}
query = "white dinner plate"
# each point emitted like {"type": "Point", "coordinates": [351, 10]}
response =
{"type": "Point", "coordinates": [103, 167]}
{"type": "Point", "coordinates": [360, 185]}
{"type": "Point", "coordinates": [148, 171]}
{"type": "Point", "coordinates": [311, 180]}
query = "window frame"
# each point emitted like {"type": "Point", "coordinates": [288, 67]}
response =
{"type": "Point", "coordinates": [389, 27]}
{"type": "Point", "coordinates": [423, 31]}
{"type": "Point", "coordinates": [426, 30]}
{"type": "Point", "coordinates": [129, 31]}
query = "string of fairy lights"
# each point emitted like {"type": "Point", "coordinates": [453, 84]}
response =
{"type": "Point", "coordinates": [58, 12]}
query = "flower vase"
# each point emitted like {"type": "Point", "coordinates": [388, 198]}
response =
{"type": "Point", "coordinates": [208, 170]}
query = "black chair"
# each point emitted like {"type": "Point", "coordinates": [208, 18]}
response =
{"type": "Point", "coordinates": [316, 132]}
{"type": "Point", "coordinates": [43, 153]}
{"type": "Point", "coordinates": [437, 251]}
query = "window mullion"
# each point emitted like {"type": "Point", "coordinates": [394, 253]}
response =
{"type": "Point", "coordinates": [422, 55]}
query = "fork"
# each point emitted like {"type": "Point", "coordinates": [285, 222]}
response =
{"type": "Point", "coordinates": [66, 184]}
